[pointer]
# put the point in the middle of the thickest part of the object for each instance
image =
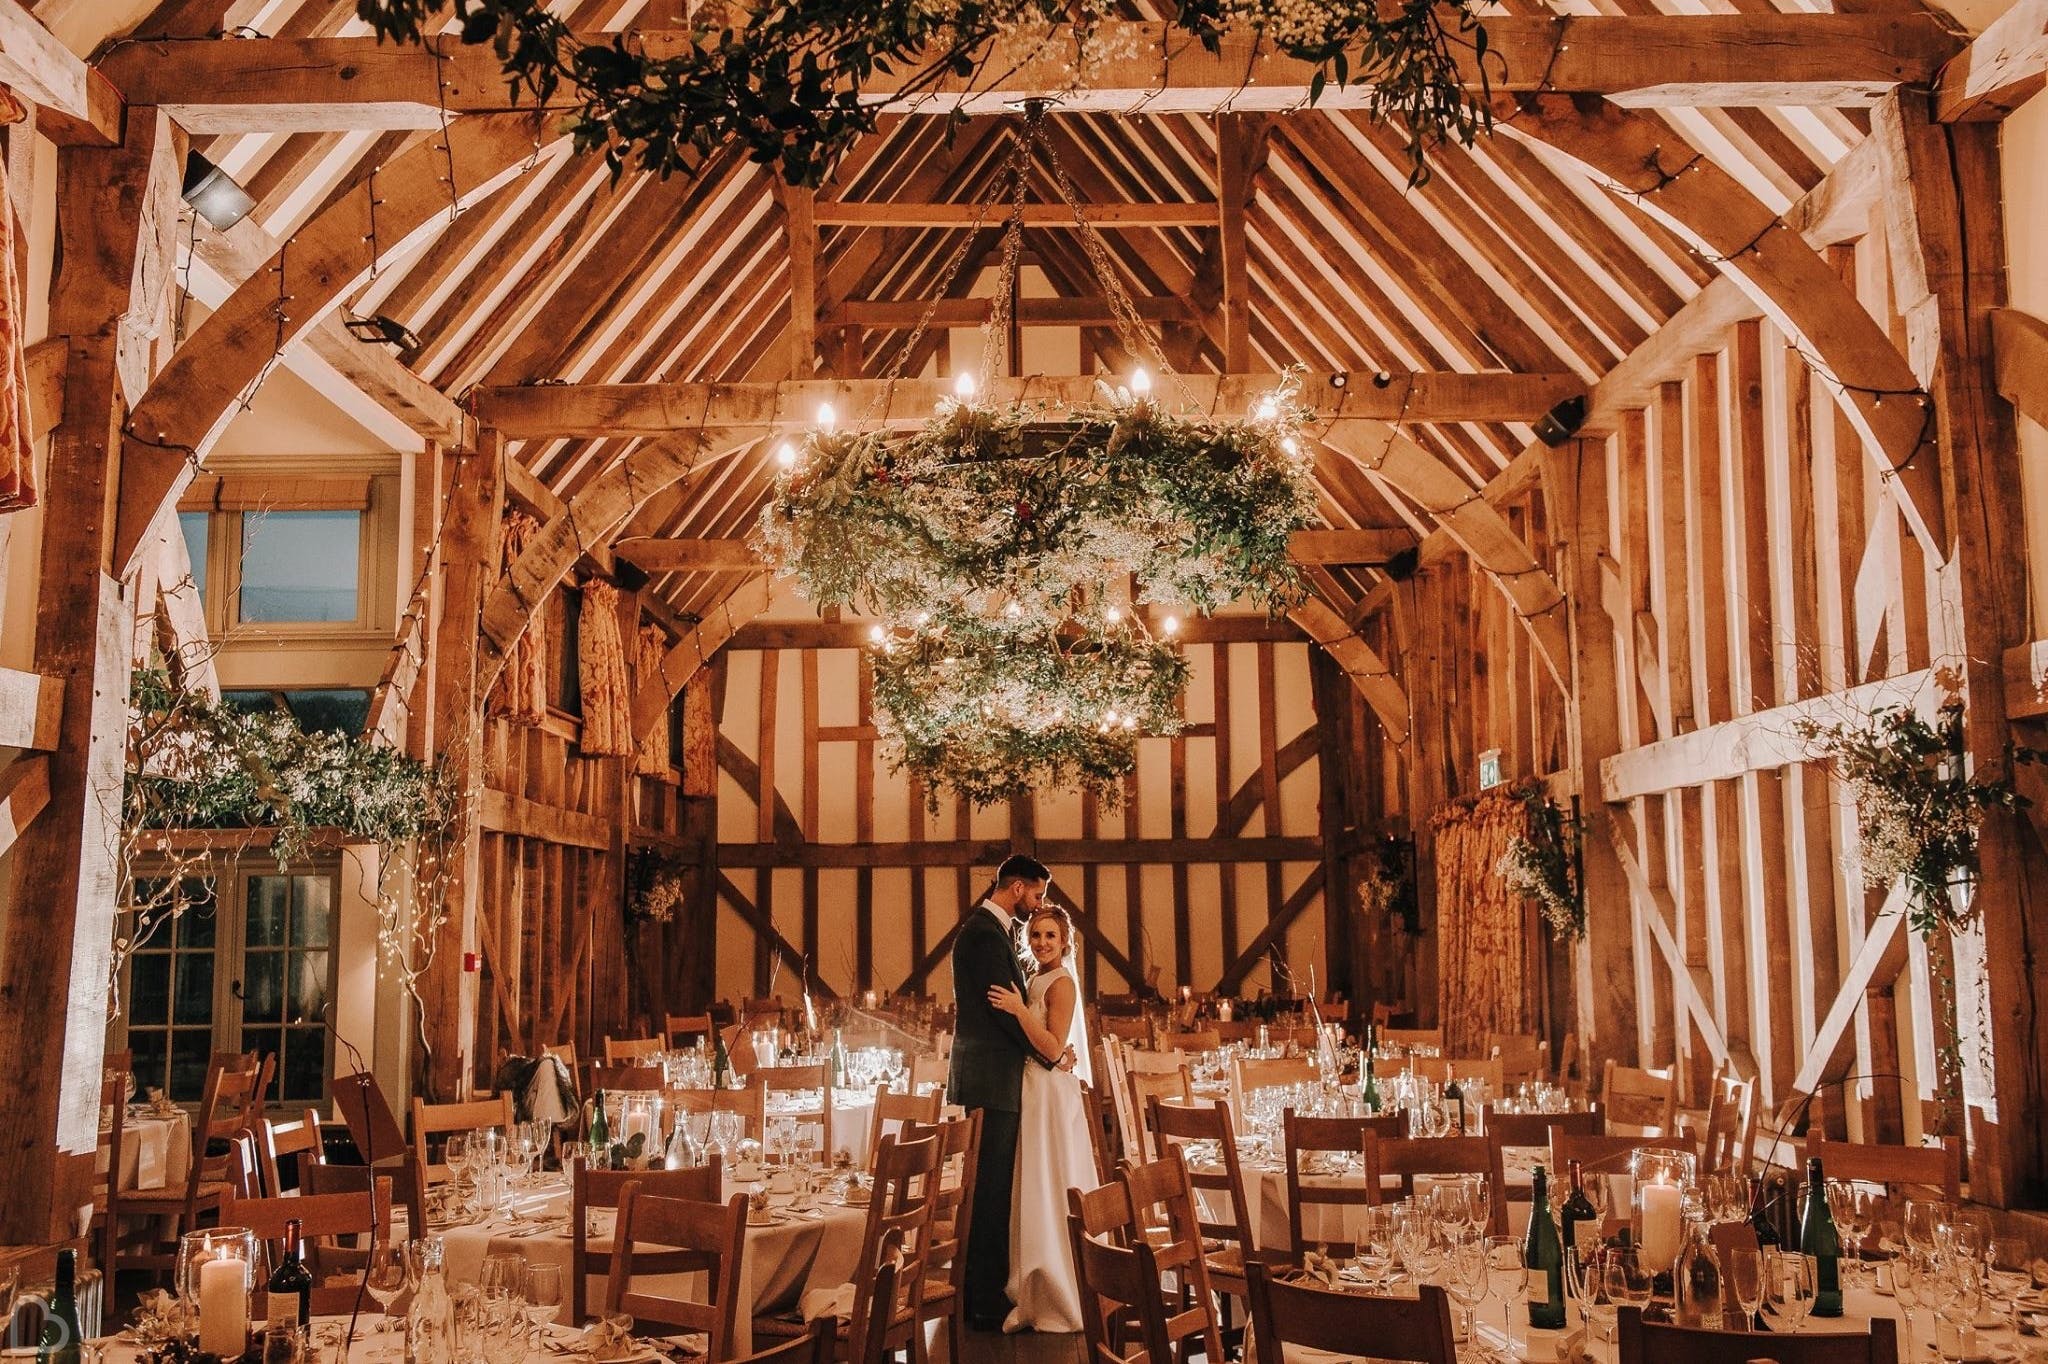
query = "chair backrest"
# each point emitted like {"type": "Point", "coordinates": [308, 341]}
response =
{"type": "Point", "coordinates": [289, 1146]}
{"type": "Point", "coordinates": [1118, 1282]}
{"type": "Point", "coordinates": [879, 1281]}
{"type": "Point", "coordinates": [1534, 1129]}
{"type": "Point", "coordinates": [1412, 1037]}
{"type": "Point", "coordinates": [1407, 1157]}
{"type": "Point", "coordinates": [953, 1203]}
{"type": "Point", "coordinates": [1309, 1142]}
{"type": "Point", "coordinates": [371, 1122]}
{"type": "Point", "coordinates": [113, 1104]}
{"type": "Point", "coordinates": [814, 1346]}
{"type": "Point", "coordinates": [1163, 1209]}
{"type": "Point", "coordinates": [355, 1181]}
{"type": "Point", "coordinates": [590, 1188]}
{"type": "Point", "coordinates": [1125, 1029]}
{"type": "Point", "coordinates": [1609, 1154]}
{"type": "Point", "coordinates": [682, 1029]}
{"type": "Point", "coordinates": [1208, 1039]}
{"type": "Point", "coordinates": [1138, 1061]}
{"type": "Point", "coordinates": [900, 1210]}
{"type": "Point", "coordinates": [693, 1236]}
{"type": "Point", "coordinates": [627, 1077]}
{"type": "Point", "coordinates": [1731, 1105]}
{"type": "Point", "coordinates": [804, 1079]}
{"type": "Point", "coordinates": [1147, 1090]}
{"type": "Point", "coordinates": [1644, 1342]}
{"type": "Point", "coordinates": [1522, 1055]}
{"type": "Point", "coordinates": [1249, 1073]}
{"type": "Point", "coordinates": [1397, 1327]}
{"type": "Point", "coordinates": [321, 1217]}
{"type": "Point", "coordinates": [1934, 1167]}
{"type": "Point", "coordinates": [929, 1070]}
{"type": "Point", "coordinates": [1175, 1126]}
{"type": "Point", "coordinates": [1104, 1212]}
{"type": "Point", "coordinates": [1639, 1100]}
{"type": "Point", "coordinates": [617, 1049]}
{"type": "Point", "coordinates": [891, 1107]}
{"type": "Point", "coordinates": [1115, 1076]}
{"type": "Point", "coordinates": [436, 1120]}
{"type": "Point", "coordinates": [565, 1052]}
{"type": "Point", "coordinates": [1487, 1069]}
{"type": "Point", "coordinates": [761, 1008]}
{"type": "Point", "coordinates": [751, 1103]}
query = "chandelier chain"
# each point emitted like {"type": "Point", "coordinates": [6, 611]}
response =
{"type": "Point", "coordinates": [1129, 323]}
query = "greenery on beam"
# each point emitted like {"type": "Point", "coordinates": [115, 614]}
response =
{"type": "Point", "coordinates": [791, 82]}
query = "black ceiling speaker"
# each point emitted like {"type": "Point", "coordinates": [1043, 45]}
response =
{"type": "Point", "coordinates": [1562, 422]}
{"type": "Point", "coordinates": [630, 577]}
{"type": "Point", "coordinates": [1401, 567]}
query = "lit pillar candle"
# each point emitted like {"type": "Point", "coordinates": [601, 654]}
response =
{"type": "Point", "coordinates": [1661, 1217]}
{"type": "Point", "coordinates": [224, 1307]}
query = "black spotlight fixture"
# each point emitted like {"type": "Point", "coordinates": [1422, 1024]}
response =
{"type": "Point", "coordinates": [213, 193]}
{"type": "Point", "coordinates": [382, 331]}
{"type": "Point", "coordinates": [1339, 379]}
{"type": "Point", "coordinates": [1382, 379]}
{"type": "Point", "coordinates": [1562, 422]}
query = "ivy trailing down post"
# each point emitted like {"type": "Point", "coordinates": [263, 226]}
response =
{"type": "Point", "coordinates": [1542, 863]}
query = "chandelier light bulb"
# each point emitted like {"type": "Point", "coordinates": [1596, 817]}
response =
{"type": "Point", "coordinates": [963, 386]}
{"type": "Point", "coordinates": [1112, 615]}
{"type": "Point", "coordinates": [1141, 382]}
{"type": "Point", "coordinates": [924, 618]}
{"type": "Point", "coordinates": [1109, 717]}
{"type": "Point", "coordinates": [1170, 626]}
{"type": "Point", "coordinates": [1130, 722]}
{"type": "Point", "coordinates": [1291, 446]}
{"type": "Point", "coordinates": [827, 418]}
{"type": "Point", "coordinates": [876, 634]}
{"type": "Point", "coordinates": [1268, 408]}
{"type": "Point", "coordinates": [1012, 610]}
{"type": "Point", "coordinates": [785, 455]}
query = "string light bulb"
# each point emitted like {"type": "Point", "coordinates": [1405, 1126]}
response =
{"type": "Point", "coordinates": [1012, 610]}
{"type": "Point", "coordinates": [1291, 447]}
{"type": "Point", "coordinates": [1269, 408]}
{"type": "Point", "coordinates": [785, 455]}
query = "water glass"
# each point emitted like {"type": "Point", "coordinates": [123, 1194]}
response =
{"type": "Point", "coordinates": [384, 1278]}
{"type": "Point", "coordinates": [543, 1293]}
{"type": "Point", "coordinates": [1627, 1280]}
{"type": "Point", "coordinates": [1791, 1285]}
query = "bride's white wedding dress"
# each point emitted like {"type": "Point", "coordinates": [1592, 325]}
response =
{"type": "Point", "coordinates": [1053, 1154]}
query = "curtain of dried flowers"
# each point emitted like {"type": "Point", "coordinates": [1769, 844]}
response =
{"type": "Point", "coordinates": [601, 673]}
{"type": "Point", "coordinates": [521, 694]}
{"type": "Point", "coordinates": [17, 450]}
{"type": "Point", "coordinates": [1485, 972]}
{"type": "Point", "coordinates": [653, 760]}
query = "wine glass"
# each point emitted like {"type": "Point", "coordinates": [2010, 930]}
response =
{"type": "Point", "coordinates": [1374, 1248]}
{"type": "Point", "coordinates": [1909, 1286]}
{"type": "Point", "coordinates": [1746, 1282]}
{"type": "Point", "coordinates": [1627, 1280]}
{"type": "Point", "coordinates": [1598, 1305]}
{"type": "Point", "coordinates": [384, 1278]}
{"type": "Point", "coordinates": [2012, 1273]}
{"type": "Point", "coordinates": [1505, 1272]}
{"type": "Point", "coordinates": [543, 1294]}
{"type": "Point", "coordinates": [1923, 1222]}
{"type": "Point", "coordinates": [1962, 1298]}
{"type": "Point", "coordinates": [1467, 1278]}
{"type": "Point", "coordinates": [1792, 1280]}
{"type": "Point", "coordinates": [1453, 1203]}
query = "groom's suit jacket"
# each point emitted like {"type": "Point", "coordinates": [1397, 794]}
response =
{"type": "Point", "coordinates": [989, 1046]}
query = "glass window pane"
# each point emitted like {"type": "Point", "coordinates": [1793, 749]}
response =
{"type": "Point", "coordinates": [149, 987]}
{"type": "Point", "coordinates": [194, 984]}
{"type": "Point", "coordinates": [335, 710]}
{"type": "Point", "coordinates": [196, 526]}
{"type": "Point", "coordinates": [152, 1052]}
{"type": "Point", "coordinates": [249, 702]}
{"type": "Point", "coordinates": [270, 900]}
{"type": "Point", "coordinates": [302, 1073]}
{"type": "Point", "coordinates": [300, 566]}
{"type": "Point", "coordinates": [308, 985]}
{"type": "Point", "coordinates": [197, 923]}
{"type": "Point", "coordinates": [263, 988]}
{"type": "Point", "coordinates": [191, 1049]}
{"type": "Point", "coordinates": [312, 910]}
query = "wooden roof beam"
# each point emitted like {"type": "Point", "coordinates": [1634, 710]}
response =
{"type": "Point", "coordinates": [74, 102]}
{"type": "Point", "coordinates": [551, 411]}
{"type": "Point", "coordinates": [847, 213]}
{"type": "Point", "coordinates": [2003, 69]}
{"type": "Point", "coordinates": [903, 313]}
{"type": "Point", "coordinates": [330, 84]}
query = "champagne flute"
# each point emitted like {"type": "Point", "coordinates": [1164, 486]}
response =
{"type": "Point", "coordinates": [1909, 1287]}
{"type": "Point", "coordinates": [1598, 1305]}
{"type": "Point", "coordinates": [1746, 1282]}
{"type": "Point", "coordinates": [384, 1279]}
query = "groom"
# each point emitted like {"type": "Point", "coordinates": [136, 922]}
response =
{"type": "Point", "coordinates": [989, 1052]}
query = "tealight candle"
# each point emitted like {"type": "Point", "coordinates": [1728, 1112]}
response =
{"type": "Point", "coordinates": [224, 1307]}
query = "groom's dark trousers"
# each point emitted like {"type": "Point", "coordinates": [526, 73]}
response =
{"type": "Point", "coordinates": [989, 1055]}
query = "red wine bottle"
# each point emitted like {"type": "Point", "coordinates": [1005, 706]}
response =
{"type": "Point", "coordinates": [291, 1277]}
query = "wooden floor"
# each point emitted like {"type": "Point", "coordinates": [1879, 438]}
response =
{"type": "Point", "coordinates": [1028, 1347]}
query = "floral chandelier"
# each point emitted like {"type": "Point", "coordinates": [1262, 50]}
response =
{"type": "Point", "coordinates": [1008, 549]}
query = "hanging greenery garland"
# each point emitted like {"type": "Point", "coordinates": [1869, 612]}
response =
{"type": "Point", "coordinates": [794, 83]}
{"type": "Point", "coordinates": [1542, 863]}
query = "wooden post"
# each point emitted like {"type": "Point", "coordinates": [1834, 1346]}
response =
{"type": "Point", "coordinates": [469, 557]}
{"type": "Point", "coordinates": [802, 234]}
{"type": "Point", "coordinates": [56, 956]}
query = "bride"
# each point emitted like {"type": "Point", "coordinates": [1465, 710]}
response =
{"type": "Point", "coordinates": [1053, 1150]}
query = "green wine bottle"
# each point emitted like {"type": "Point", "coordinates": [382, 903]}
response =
{"type": "Point", "coordinates": [1368, 1080]}
{"type": "Point", "coordinates": [59, 1343]}
{"type": "Point", "coordinates": [721, 1062]}
{"type": "Point", "coordinates": [600, 1134]}
{"type": "Point", "coordinates": [1818, 1238]}
{"type": "Point", "coordinates": [1543, 1260]}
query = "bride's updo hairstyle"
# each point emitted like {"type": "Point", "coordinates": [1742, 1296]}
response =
{"type": "Point", "coordinates": [1058, 915]}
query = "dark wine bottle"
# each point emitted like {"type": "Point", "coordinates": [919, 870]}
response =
{"type": "Point", "coordinates": [1760, 1220]}
{"type": "Point", "coordinates": [1543, 1260]}
{"type": "Point", "coordinates": [600, 1135]}
{"type": "Point", "coordinates": [721, 1062]}
{"type": "Point", "coordinates": [291, 1277]}
{"type": "Point", "coordinates": [1368, 1079]}
{"type": "Point", "coordinates": [59, 1343]}
{"type": "Point", "coordinates": [1578, 1212]}
{"type": "Point", "coordinates": [1818, 1238]}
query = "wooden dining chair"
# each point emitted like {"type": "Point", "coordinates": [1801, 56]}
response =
{"type": "Point", "coordinates": [288, 1147]}
{"type": "Point", "coordinates": [439, 1120]}
{"type": "Point", "coordinates": [627, 1077]}
{"type": "Point", "coordinates": [1731, 1125]}
{"type": "Point", "coordinates": [1163, 1209]}
{"type": "Point", "coordinates": [944, 1294]}
{"type": "Point", "coordinates": [1488, 1070]}
{"type": "Point", "coordinates": [750, 1102]}
{"type": "Point", "coordinates": [1406, 1158]}
{"type": "Point", "coordinates": [1645, 1342]}
{"type": "Point", "coordinates": [1534, 1129]}
{"type": "Point", "coordinates": [1115, 1078]}
{"type": "Point", "coordinates": [1223, 1206]}
{"type": "Point", "coordinates": [770, 1007]}
{"type": "Point", "coordinates": [355, 1180]}
{"type": "Point", "coordinates": [802, 1080]}
{"type": "Point", "coordinates": [814, 1346]}
{"type": "Point", "coordinates": [929, 1074]}
{"type": "Point", "coordinates": [1103, 1212]}
{"type": "Point", "coordinates": [1412, 1038]}
{"type": "Point", "coordinates": [1638, 1101]}
{"type": "Point", "coordinates": [1309, 1142]}
{"type": "Point", "coordinates": [881, 1283]}
{"type": "Point", "coordinates": [323, 1220]}
{"type": "Point", "coordinates": [1206, 1039]}
{"type": "Point", "coordinates": [1387, 1327]}
{"type": "Point", "coordinates": [1139, 1061]}
{"type": "Point", "coordinates": [891, 1107]}
{"type": "Point", "coordinates": [686, 1235]}
{"type": "Point", "coordinates": [114, 1107]}
{"type": "Point", "coordinates": [565, 1052]}
{"type": "Point", "coordinates": [1930, 1167]}
{"type": "Point", "coordinates": [1236, 1030]}
{"type": "Point", "coordinates": [1123, 1316]}
{"type": "Point", "coordinates": [681, 1030]}
{"type": "Point", "coordinates": [1175, 1087]}
{"type": "Point", "coordinates": [590, 1189]}
{"type": "Point", "coordinates": [234, 1089]}
{"type": "Point", "coordinates": [619, 1050]}
{"type": "Point", "coordinates": [1522, 1055]}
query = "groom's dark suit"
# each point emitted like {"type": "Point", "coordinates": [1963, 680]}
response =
{"type": "Point", "coordinates": [989, 1055]}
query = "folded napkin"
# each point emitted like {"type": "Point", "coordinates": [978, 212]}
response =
{"type": "Point", "coordinates": [610, 1338]}
{"type": "Point", "coordinates": [1325, 1270]}
{"type": "Point", "coordinates": [827, 1302]}
{"type": "Point", "coordinates": [152, 1150]}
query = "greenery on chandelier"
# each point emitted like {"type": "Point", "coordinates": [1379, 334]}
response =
{"type": "Point", "coordinates": [1918, 807]}
{"type": "Point", "coordinates": [195, 763]}
{"type": "Point", "coordinates": [1542, 863]}
{"type": "Point", "coordinates": [796, 82]}
{"type": "Point", "coordinates": [998, 543]}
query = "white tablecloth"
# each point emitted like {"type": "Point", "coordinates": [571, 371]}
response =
{"type": "Point", "coordinates": [782, 1261]}
{"type": "Point", "coordinates": [156, 1150]}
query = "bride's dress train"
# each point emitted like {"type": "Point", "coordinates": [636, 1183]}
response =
{"type": "Point", "coordinates": [1053, 1154]}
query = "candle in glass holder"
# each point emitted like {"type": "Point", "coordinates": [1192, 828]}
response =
{"type": "Point", "coordinates": [224, 1306]}
{"type": "Point", "coordinates": [867, 999]}
{"type": "Point", "coordinates": [1223, 1011]}
{"type": "Point", "coordinates": [1662, 1218]}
